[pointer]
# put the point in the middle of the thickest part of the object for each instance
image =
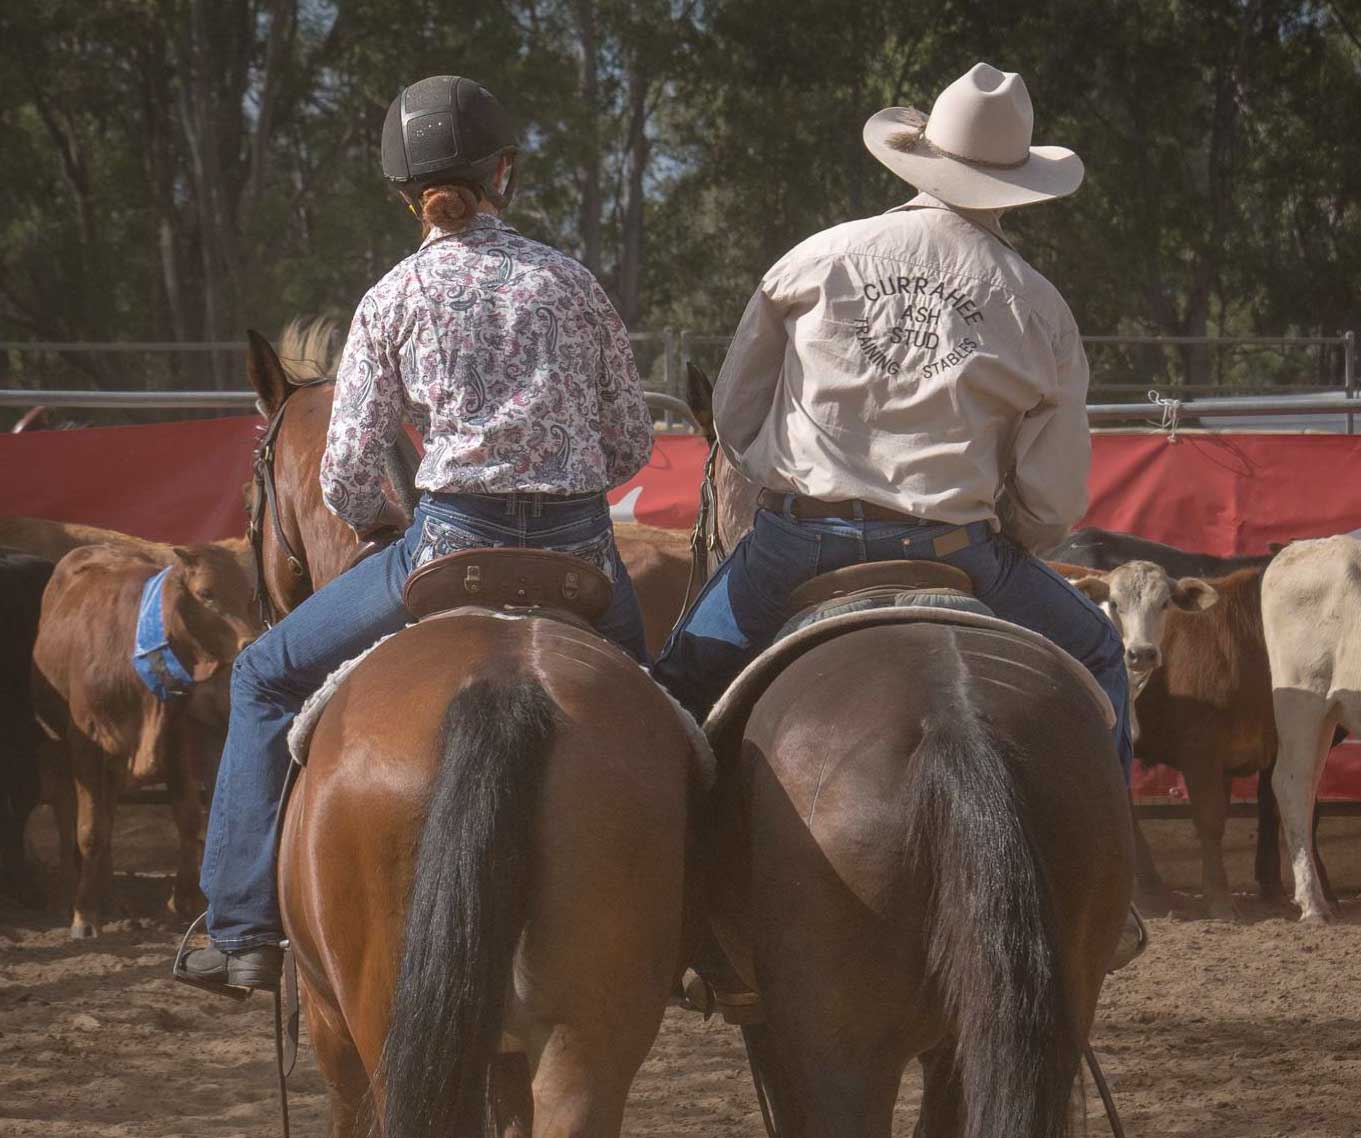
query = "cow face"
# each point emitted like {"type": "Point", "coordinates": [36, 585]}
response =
{"type": "Point", "coordinates": [1137, 597]}
{"type": "Point", "coordinates": [209, 615]}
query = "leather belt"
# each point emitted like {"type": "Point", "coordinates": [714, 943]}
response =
{"type": "Point", "coordinates": [850, 509]}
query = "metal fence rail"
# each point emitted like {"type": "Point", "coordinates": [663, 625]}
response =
{"type": "Point", "coordinates": [665, 355]}
{"type": "Point", "coordinates": [667, 406]}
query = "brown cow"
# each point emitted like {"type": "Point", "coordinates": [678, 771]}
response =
{"type": "Point", "coordinates": [1206, 712]}
{"type": "Point", "coordinates": [658, 562]}
{"type": "Point", "coordinates": [108, 726]}
{"type": "Point", "coordinates": [54, 540]}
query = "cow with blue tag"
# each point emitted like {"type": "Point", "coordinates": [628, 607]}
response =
{"type": "Point", "coordinates": [131, 682]}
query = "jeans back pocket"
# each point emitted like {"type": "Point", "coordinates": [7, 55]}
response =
{"type": "Point", "coordinates": [440, 538]}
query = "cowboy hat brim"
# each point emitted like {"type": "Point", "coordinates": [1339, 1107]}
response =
{"type": "Point", "coordinates": [1049, 172]}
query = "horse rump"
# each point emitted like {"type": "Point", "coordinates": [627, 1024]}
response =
{"type": "Point", "coordinates": [467, 907]}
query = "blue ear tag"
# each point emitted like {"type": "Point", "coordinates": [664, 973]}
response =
{"type": "Point", "coordinates": [152, 657]}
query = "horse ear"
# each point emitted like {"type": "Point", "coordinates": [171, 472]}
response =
{"type": "Point", "coordinates": [1096, 588]}
{"type": "Point", "coordinates": [700, 395]}
{"type": "Point", "coordinates": [1191, 593]}
{"type": "Point", "coordinates": [266, 373]}
{"type": "Point", "coordinates": [187, 557]}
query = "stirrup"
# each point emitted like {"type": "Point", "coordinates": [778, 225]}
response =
{"type": "Point", "coordinates": [1131, 953]}
{"type": "Point", "coordinates": [231, 991]}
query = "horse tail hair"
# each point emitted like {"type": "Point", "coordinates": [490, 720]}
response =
{"type": "Point", "coordinates": [467, 907]}
{"type": "Point", "coordinates": [992, 945]}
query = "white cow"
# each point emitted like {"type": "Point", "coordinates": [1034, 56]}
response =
{"type": "Point", "coordinates": [1311, 614]}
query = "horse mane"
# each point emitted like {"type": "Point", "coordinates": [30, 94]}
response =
{"type": "Point", "coordinates": [309, 349]}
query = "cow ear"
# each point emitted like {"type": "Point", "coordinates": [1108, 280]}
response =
{"type": "Point", "coordinates": [1096, 588]}
{"type": "Point", "coordinates": [266, 374]}
{"type": "Point", "coordinates": [1193, 594]}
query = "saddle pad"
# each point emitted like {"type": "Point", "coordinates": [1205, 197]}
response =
{"type": "Point", "coordinates": [305, 722]}
{"type": "Point", "coordinates": [950, 599]}
{"type": "Point", "coordinates": [729, 715]}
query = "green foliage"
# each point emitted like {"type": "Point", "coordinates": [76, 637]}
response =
{"type": "Point", "coordinates": [183, 169]}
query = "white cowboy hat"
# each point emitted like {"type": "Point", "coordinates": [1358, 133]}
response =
{"type": "Point", "coordinates": [973, 150]}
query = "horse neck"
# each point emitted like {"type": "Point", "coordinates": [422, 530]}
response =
{"type": "Point", "coordinates": [736, 501]}
{"type": "Point", "coordinates": [324, 542]}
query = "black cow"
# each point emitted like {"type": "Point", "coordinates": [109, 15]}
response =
{"type": "Point", "coordinates": [1106, 549]}
{"type": "Point", "coordinates": [22, 580]}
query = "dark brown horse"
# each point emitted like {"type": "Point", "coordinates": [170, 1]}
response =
{"type": "Point", "coordinates": [925, 852]}
{"type": "Point", "coordinates": [482, 865]}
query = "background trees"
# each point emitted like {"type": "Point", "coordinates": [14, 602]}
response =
{"type": "Point", "coordinates": [181, 169]}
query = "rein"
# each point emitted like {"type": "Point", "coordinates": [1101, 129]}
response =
{"type": "Point", "coordinates": [704, 539]}
{"type": "Point", "coordinates": [266, 498]}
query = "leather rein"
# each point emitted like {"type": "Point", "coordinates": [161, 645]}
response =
{"type": "Point", "coordinates": [266, 497]}
{"type": "Point", "coordinates": [705, 543]}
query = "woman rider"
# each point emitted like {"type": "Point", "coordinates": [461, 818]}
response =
{"type": "Point", "coordinates": [513, 363]}
{"type": "Point", "coordinates": [907, 386]}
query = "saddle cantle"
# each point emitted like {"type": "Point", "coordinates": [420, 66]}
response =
{"type": "Point", "coordinates": [511, 578]}
{"type": "Point", "coordinates": [879, 576]}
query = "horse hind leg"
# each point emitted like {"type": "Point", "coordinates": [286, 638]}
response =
{"type": "Point", "coordinates": [347, 1080]}
{"type": "Point", "coordinates": [578, 1091]}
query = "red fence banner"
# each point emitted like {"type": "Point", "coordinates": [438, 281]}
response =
{"type": "Point", "coordinates": [181, 482]}
{"type": "Point", "coordinates": [1217, 493]}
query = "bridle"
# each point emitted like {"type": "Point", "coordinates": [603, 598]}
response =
{"type": "Point", "coordinates": [265, 496]}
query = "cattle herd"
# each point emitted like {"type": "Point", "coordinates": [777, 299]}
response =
{"type": "Point", "coordinates": [1243, 665]}
{"type": "Point", "coordinates": [1240, 666]}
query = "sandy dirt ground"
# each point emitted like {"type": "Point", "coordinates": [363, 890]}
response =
{"type": "Point", "coordinates": [1243, 1030]}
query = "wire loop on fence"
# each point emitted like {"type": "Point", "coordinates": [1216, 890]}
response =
{"type": "Point", "coordinates": [1171, 409]}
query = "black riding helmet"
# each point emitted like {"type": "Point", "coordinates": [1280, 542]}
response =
{"type": "Point", "coordinates": [447, 129]}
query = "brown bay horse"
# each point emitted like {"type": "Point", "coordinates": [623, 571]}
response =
{"type": "Point", "coordinates": [924, 851]}
{"type": "Point", "coordinates": [482, 864]}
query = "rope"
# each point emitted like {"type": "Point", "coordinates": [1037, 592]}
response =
{"type": "Point", "coordinates": [1171, 409]}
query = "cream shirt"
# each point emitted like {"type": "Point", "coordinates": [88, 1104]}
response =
{"type": "Point", "coordinates": [913, 360]}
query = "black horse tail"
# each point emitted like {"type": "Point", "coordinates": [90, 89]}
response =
{"type": "Point", "coordinates": [467, 908]}
{"type": "Point", "coordinates": [992, 950]}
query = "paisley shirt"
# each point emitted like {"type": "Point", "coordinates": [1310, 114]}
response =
{"type": "Point", "coordinates": [510, 359]}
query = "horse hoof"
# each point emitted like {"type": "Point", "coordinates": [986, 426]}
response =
{"type": "Point", "coordinates": [83, 930]}
{"type": "Point", "coordinates": [1316, 919]}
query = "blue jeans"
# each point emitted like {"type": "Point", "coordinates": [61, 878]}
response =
{"type": "Point", "coordinates": [745, 603]}
{"type": "Point", "coordinates": [274, 676]}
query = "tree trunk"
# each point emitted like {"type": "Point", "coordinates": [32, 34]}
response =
{"type": "Point", "coordinates": [638, 150]}
{"type": "Point", "coordinates": [591, 207]}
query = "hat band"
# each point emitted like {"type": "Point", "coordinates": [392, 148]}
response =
{"type": "Point", "coordinates": [905, 140]}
